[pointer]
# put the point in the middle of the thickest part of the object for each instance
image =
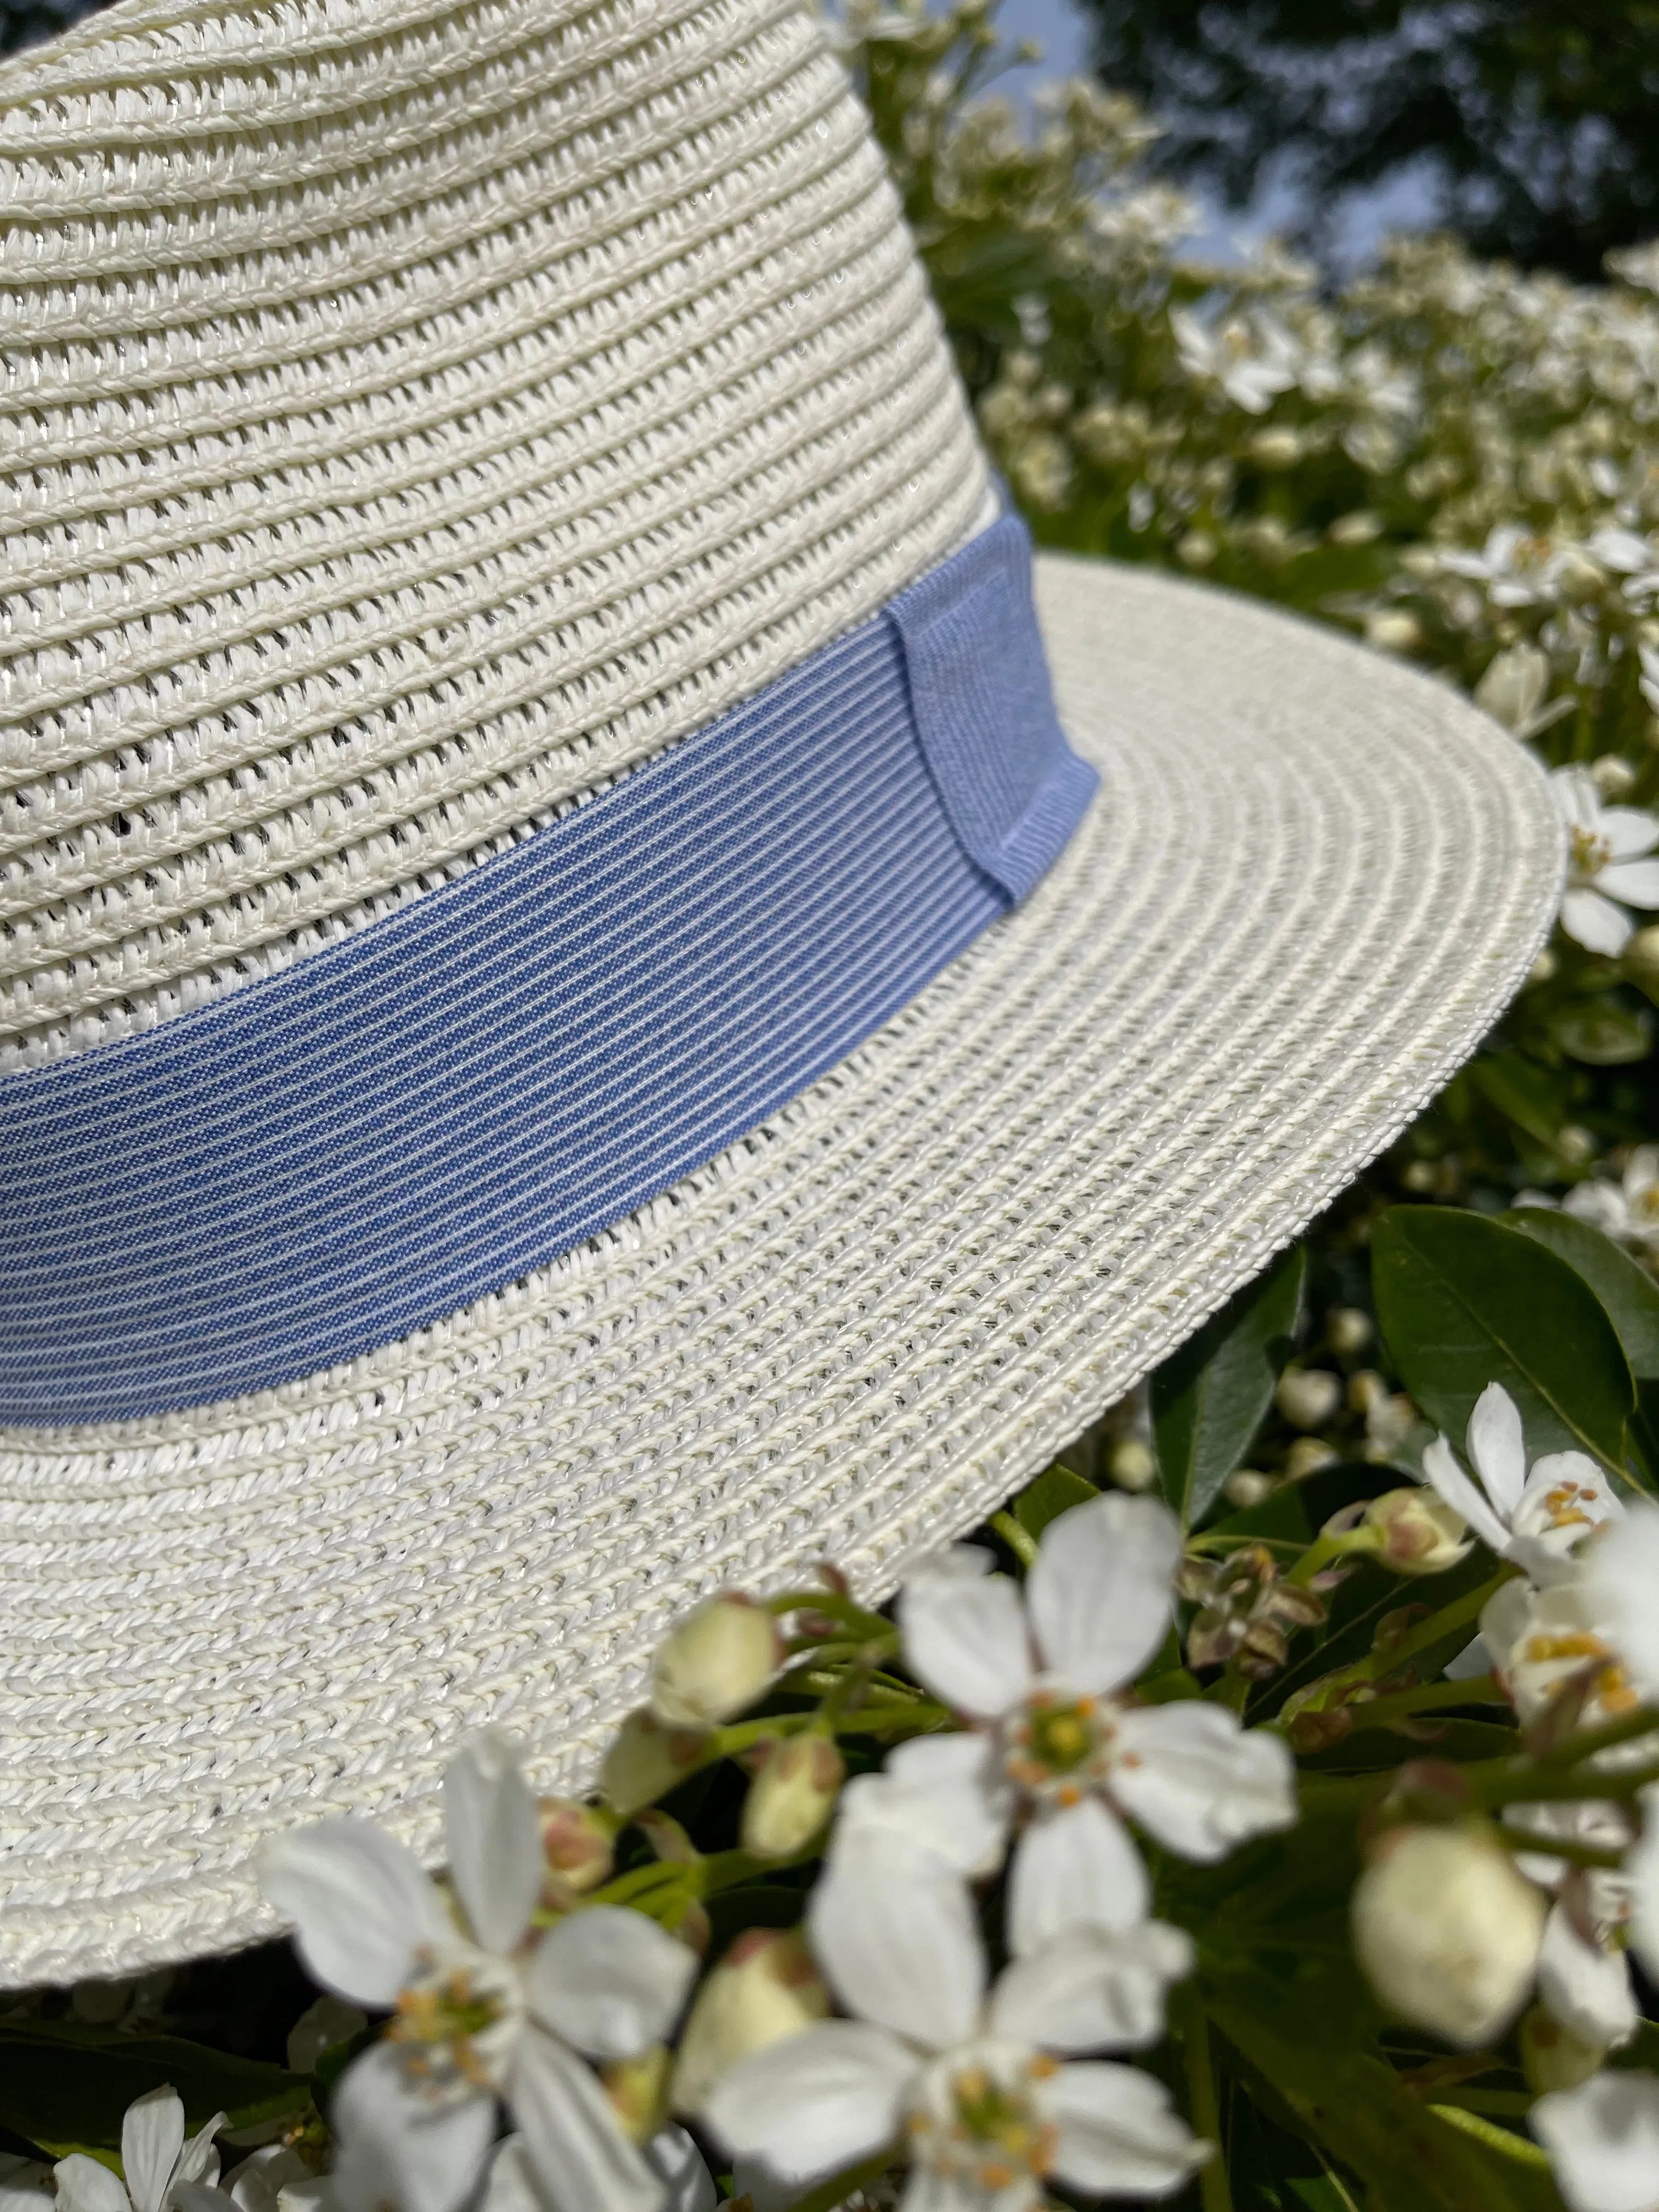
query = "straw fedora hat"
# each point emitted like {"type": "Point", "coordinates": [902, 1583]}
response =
{"type": "Point", "coordinates": [574, 1027]}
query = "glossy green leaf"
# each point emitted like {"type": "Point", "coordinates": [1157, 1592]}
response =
{"type": "Point", "coordinates": [1054, 1492]}
{"type": "Point", "coordinates": [1526, 1093]}
{"type": "Point", "coordinates": [1463, 1300]}
{"type": "Point", "coordinates": [64, 2087]}
{"type": "Point", "coordinates": [1628, 1294]}
{"type": "Point", "coordinates": [1353, 2104]}
{"type": "Point", "coordinates": [1208, 1400]}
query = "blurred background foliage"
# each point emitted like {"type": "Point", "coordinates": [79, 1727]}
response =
{"type": "Point", "coordinates": [1534, 117]}
{"type": "Point", "coordinates": [1449, 457]}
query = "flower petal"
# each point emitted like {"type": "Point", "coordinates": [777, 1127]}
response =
{"type": "Point", "coordinates": [152, 2137]}
{"type": "Point", "coordinates": [83, 2186]}
{"type": "Point", "coordinates": [894, 1931]}
{"type": "Point", "coordinates": [1585, 1987]}
{"type": "Point", "coordinates": [1619, 1569]}
{"type": "Point", "coordinates": [929, 2190]}
{"type": "Point", "coordinates": [1603, 1204]}
{"type": "Point", "coordinates": [673, 2156]}
{"type": "Point", "coordinates": [1099, 1592]}
{"type": "Point", "coordinates": [1200, 1783]}
{"type": "Point", "coordinates": [965, 1639]}
{"type": "Point", "coordinates": [1566, 1496]}
{"type": "Point", "coordinates": [359, 1905]}
{"type": "Point", "coordinates": [1603, 2142]}
{"type": "Point", "coordinates": [609, 1981]}
{"type": "Point", "coordinates": [493, 1837]}
{"type": "Point", "coordinates": [509, 2186]}
{"type": "Point", "coordinates": [1628, 830]}
{"type": "Point", "coordinates": [1443, 1474]}
{"type": "Point", "coordinates": [394, 2144]}
{"type": "Point", "coordinates": [1576, 797]}
{"type": "Point", "coordinates": [946, 1793]}
{"type": "Point", "coordinates": [1117, 2132]}
{"type": "Point", "coordinates": [1079, 1864]}
{"type": "Point", "coordinates": [1093, 1989]}
{"type": "Point", "coordinates": [1595, 922]}
{"type": "Point", "coordinates": [1642, 1868]}
{"type": "Point", "coordinates": [1497, 1449]}
{"type": "Point", "coordinates": [805, 2108]}
{"type": "Point", "coordinates": [200, 2159]}
{"type": "Point", "coordinates": [1634, 883]}
{"type": "Point", "coordinates": [577, 2151]}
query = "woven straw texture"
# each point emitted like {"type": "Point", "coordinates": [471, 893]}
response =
{"type": "Point", "coordinates": [410, 417]}
{"type": "Point", "coordinates": [1310, 881]}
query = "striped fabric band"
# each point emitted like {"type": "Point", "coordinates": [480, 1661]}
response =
{"type": "Point", "coordinates": [376, 1137]}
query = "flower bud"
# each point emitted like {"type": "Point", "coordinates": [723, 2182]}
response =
{"type": "Point", "coordinates": [1306, 1456]}
{"type": "Point", "coordinates": [1448, 1931]}
{"type": "Point", "coordinates": [579, 1844]}
{"type": "Point", "coordinates": [1552, 2057]}
{"type": "Point", "coordinates": [1307, 1396]}
{"type": "Point", "coordinates": [765, 1988]}
{"type": "Point", "coordinates": [638, 2089]}
{"type": "Point", "coordinates": [1132, 1465]}
{"type": "Point", "coordinates": [716, 1663]}
{"type": "Point", "coordinates": [1348, 1330]}
{"type": "Point", "coordinates": [646, 1760]}
{"type": "Point", "coordinates": [1513, 688]}
{"type": "Point", "coordinates": [1247, 1485]}
{"type": "Point", "coordinates": [1276, 447]}
{"type": "Point", "coordinates": [1392, 630]}
{"type": "Point", "coordinates": [1420, 1533]}
{"type": "Point", "coordinates": [791, 1795]}
{"type": "Point", "coordinates": [1612, 777]}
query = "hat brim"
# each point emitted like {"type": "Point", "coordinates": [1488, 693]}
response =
{"type": "Point", "coordinates": [1310, 881]}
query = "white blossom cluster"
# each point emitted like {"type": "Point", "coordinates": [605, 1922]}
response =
{"type": "Point", "coordinates": [542, 2043]}
{"type": "Point", "coordinates": [1459, 1924]}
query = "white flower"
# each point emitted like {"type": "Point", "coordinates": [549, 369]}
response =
{"type": "Point", "coordinates": [480, 2011]}
{"type": "Point", "coordinates": [1499, 566]}
{"type": "Point", "coordinates": [1540, 1640]}
{"type": "Point", "coordinates": [1035, 1681]}
{"type": "Point", "coordinates": [671, 2154]}
{"type": "Point", "coordinates": [1620, 1577]}
{"type": "Point", "coordinates": [162, 2170]}
{"type": "Point", "coordinates": [1252, 362]}
{"type": "Point", "coordinates": [1535, 1519]}
{"type": "Point", "coordinates": [966, 2079]}
{"type": "Point", "coordinates": [1606, 873]}
{"type": "Point", "coordinates": [1642, 1875]}
{"type": "Point", "coordinates": [1603, 2142]}
{"type": "Point", "coordinates": [1627, 1211]}
{"type": "Point", "coordinates": [1583, 1973]}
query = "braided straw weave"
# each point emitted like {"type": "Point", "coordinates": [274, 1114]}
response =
{"type": "Point", "coordinates": [413, 417]}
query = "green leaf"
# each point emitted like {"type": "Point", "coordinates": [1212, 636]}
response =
{"type": "Point", "coordinates": [1528, 1095]}
{"type": "Point", "coordinates": [1054, 1492]}
{"type": "Point", "coordinates": [64, 2087]}
{"type": "Point", "coordinates": [1353, 2104]}
{"type": "Point", "coordinates": [1463, 1300]}
{"type": "Point", "coordinates": [1208, 1400]}
{"type": "Point", "coordinates": [1628, 1294]}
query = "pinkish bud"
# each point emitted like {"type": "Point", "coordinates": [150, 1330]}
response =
{"type": "Point", "coordinates": [1418, 1533]}
{"type": "Point", "coordinates": [577, 1842]}
{"type": "Point", "coordinates": [791, 1795]}
{"type": "Point", "coordinates": [766, 1987]}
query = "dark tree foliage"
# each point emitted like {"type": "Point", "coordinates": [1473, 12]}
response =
{"type": "Point", "coordinates": [1539, 117]}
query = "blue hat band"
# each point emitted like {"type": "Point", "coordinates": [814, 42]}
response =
{"type": "Point", "coordinates": [416, 1116]}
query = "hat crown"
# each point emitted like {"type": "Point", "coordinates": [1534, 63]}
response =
{"type": "Point", "coordinates": [412, 420]}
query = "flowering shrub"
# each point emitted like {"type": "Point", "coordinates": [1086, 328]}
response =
{"type": "Point", "coordinates": [1261, 1811]}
